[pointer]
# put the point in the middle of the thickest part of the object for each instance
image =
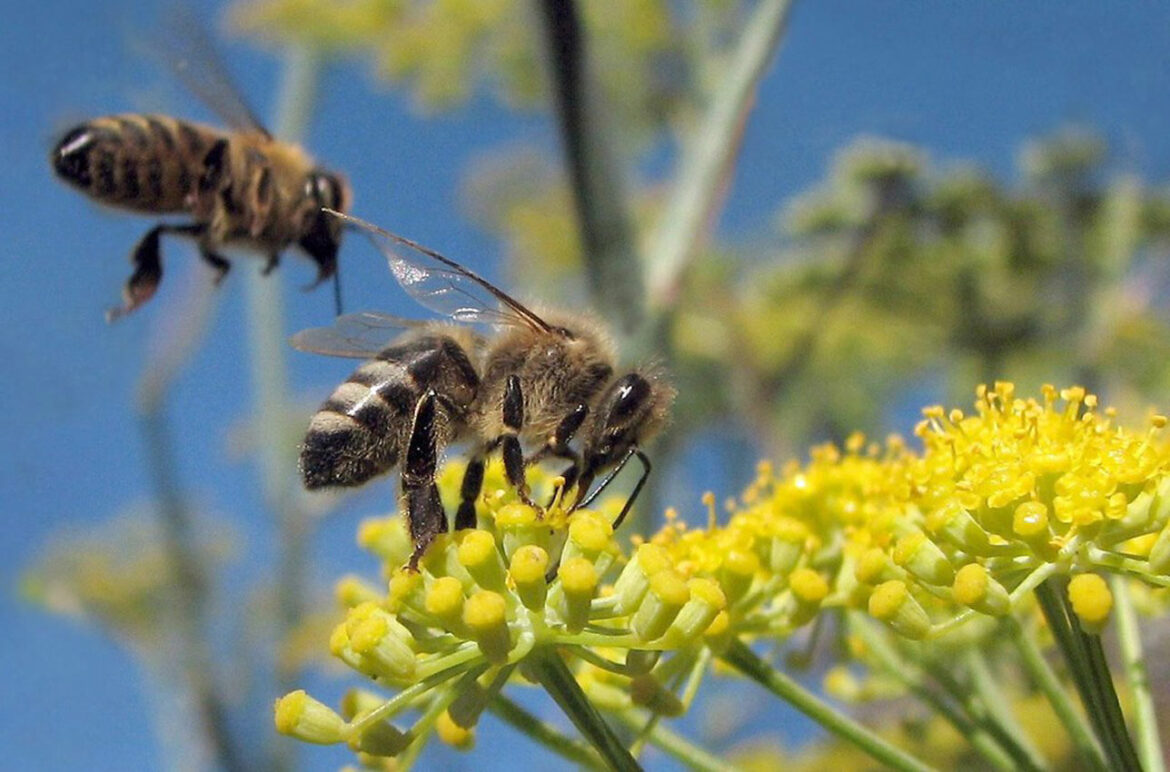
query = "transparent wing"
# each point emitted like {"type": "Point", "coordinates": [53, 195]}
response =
{"type": "Point", "coordinates": [186, 47]}
{"type": "Point", "coordinates": [444, 286]}
{"type": "Point", "coordinates": [357, 336]}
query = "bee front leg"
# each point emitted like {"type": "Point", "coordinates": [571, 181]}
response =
{"type": "Point", "coordinates": [558, 446]}
{"type": "Point", "coordinates": [510, 443]}
{"type": "Point", "coordinates": [147, 261]}
{"type": "Point", "coordinates": [424, 509]}
{"type": "Point", "coordinates": [271, 264]}
{"type": "Point", "coordinates": [218, 262]}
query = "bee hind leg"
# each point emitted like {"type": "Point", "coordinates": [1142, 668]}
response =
{"type": "Point", "coordinates": [425, 516]}
{"type": "Point", "coordinates": [147, 261]}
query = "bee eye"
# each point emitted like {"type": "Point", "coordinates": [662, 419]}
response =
{"type": "Point", "coordinates": [631, 392]}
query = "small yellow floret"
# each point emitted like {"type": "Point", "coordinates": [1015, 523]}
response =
{"type": "Point", "coordinates": [476, 548]}
{"type": "Point", "coordinates": [1091, 600]}
{"type": "Point", "coordinates": [1030, 519]}
{"type": "Point", "coordinates": [452, 734]}
{"type": "Point", "coordinates": [808, 586]}
{"type": "Point", "coordinates": [892, 603]}
{"type": "Point", "coordinates": [300, 716]}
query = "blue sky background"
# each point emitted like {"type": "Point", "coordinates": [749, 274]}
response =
{"type": "Point", "coordinates": [965, 80]}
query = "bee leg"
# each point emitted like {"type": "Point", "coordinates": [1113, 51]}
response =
{"type": "Point", "coordinates": [558, 446]}
{"type": "Point", "coordinates": [646, 467]}
{"type": "Point", "coordinates": [510, 443]}
{"type": "Point", "coordinates": [218, 262]}
{"type": "Point", "coordinates": [469, 492]}
{"type": "Point", "coordinates": [424, 510]}
{"type": "Point", "coordinates": [271, 264]}
{"type": "Point", "coordinates": [147, 262]}
{"type": "Point", "coordinates": [215, 163]}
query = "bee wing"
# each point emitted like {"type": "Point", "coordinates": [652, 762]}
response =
{"type": "Point", "coordinates": [357, 336]}
{"type": "Point", "coordinates": [444, 286]}
{"type": "Point", "coordinates": [188, 50]}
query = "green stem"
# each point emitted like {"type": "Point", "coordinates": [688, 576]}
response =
{"type": "Point", "coordinates": [608, 242]}
{"type": "Point", "coordinates": [544, 733]}
{"type": "Point", "coordinates": [1090, 674]}
{"type": "Point", "coordinates": [999, 712]}
{"type": "Point", "coordinates": [740, 657]}
{"type": "Point", "coordinates": [675, 745]}
{"type": "Point", "coordinates": [1048, 682]}
{"type": "Point", "coordinates": [706, 165]}
{"type": "Point", "coordinates": [188, 582]}
{"type": "Point", "coordinates": [549, 669]}
{"type": "Point", "coordinates": [911, 678]}
{"type": "Point", "coordinates": [266, 337]}
{"type": "Point", "coordinates": [1145, 719]}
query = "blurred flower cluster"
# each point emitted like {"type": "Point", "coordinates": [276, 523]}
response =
{"type": "Point", "coordinates": [945, 545]}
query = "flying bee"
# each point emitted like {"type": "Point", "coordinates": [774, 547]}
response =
{"type": "Point", "coordinates": [538, 380]}
{"type": "Point", "coordinates": [239, 187]}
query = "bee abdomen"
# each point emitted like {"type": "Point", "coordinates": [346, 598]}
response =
{"type": "Point", "coordinates": [356, 434]}
{"type": "Point", "coordinates": [138, 162]}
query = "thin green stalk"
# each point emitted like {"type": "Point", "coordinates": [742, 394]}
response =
{"type": "Point", "coordinates": [189, 585]}
{"type": "Point", "coordinates": [608, 242]}
{"type": "Point", "coordinates": [266, 337]}
{"type": "Point", "coordinates": [1090, 673]}
{"type": "Point", "coordinates": [708, 160]}
{"type": "Point", "coordinates": [544, 733]}
{"type": "Point", "coordinates": [1145, 720]}
{"type": "Point", "coordinates": [743, 659]}
{"type": "Point", "coordinates": [675, 745]}
{"type": "Point", "coordinates": [1058, 697]}
{"type": "Point", "coordinates": [998, 709]}
{"type": "Point", "coordinates": [549, 669]}
{"type": "Point", "coordinates": [911, 678]}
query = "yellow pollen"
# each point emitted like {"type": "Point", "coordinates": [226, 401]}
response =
{"type": "Point", "coordinates": [1030, 519]}
{"type": "Point", "coordinates": [485, 610]}
{"type": "Point", "coordinates": [476, 548]}
{"type": "Point", "coordinates": [579, 577]}
{"type": "Point", "coordinates": [445, 598]}
{"type": "Point", "coordinates": [808, 585]}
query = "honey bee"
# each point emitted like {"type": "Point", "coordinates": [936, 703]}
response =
{"type": "Point", "coordinates": [239, 187]}
{"type": "Point", "coordinates": [538, 380]}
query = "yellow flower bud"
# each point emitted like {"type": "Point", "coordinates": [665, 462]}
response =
{"type": "Point", "coordinates": [579, 582]}
{"type": "Point", "coordinates": [528, 570]}
{"type": "Point", "coordinates": [923, 559]}
{"type": "Point", "coordinates": [299, 715]}
{"type": "Point", "coordinates": [976, 588]}
{"type": "Point", "coordinates": [645, 691]}
{"type": "Point", "coordinates": [486, 616]}
{"type": "Point", "coordinates": [892, 603]}
{"type": "Point", "coordinates": [737, 573]}
{"type": "Point", "coordinates": [667, 595]}
{"type": "Point", "coordinates": [478, 554]}
{"type": "Point", "coordinates": [444, 601]}
{"type": "Point", "coordinates": [450, 733]}
{"type": "Point", "coordinates": [1091, 601]}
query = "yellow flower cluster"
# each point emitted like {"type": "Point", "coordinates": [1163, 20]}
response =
{"type": "Point", "coordinates": [993, 505]}
{"type": "Point", "coordinates": [484, 603]}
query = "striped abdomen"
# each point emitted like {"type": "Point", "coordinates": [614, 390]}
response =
{"type": "Point", "coordinates": [362, 429]}
{"type": "Point", "coordinates": [148, 163]}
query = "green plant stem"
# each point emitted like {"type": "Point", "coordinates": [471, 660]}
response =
{"type": "Point", "coordinates": [189, 585]}
{"type": "Point", "coordinates": [911, 678]}
{"type": "Point", "coordinates": [608, 243]}
{"type": "Point", "coordinates": [544, 733]}
{"type": "Point", "coordinates": [549, 669]}
{"type": "Point", "coordinates": [266, 338]}
{"type": "Point", "coordinates": [1090, 673]}
{"type": "Point", "coordinates": [709, 157]}
{"type": "Point", "coordinates": [1048, 682]}
{"type": "Point", "coordinates": [978, 714]}
{"type": "Point", "coordinates": [998, 710]}
{"type": "Point", "coordinates": [1145, 719]}
{"type": "Point", "coordinates": [743, 659]}
{"type": "Point", "coordinates": [675, 745]}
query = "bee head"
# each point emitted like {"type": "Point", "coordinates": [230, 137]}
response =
{"type": "Point", "coordinates": [630, 410]}
{"type": "Point", "coordinates": [321, 237]}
